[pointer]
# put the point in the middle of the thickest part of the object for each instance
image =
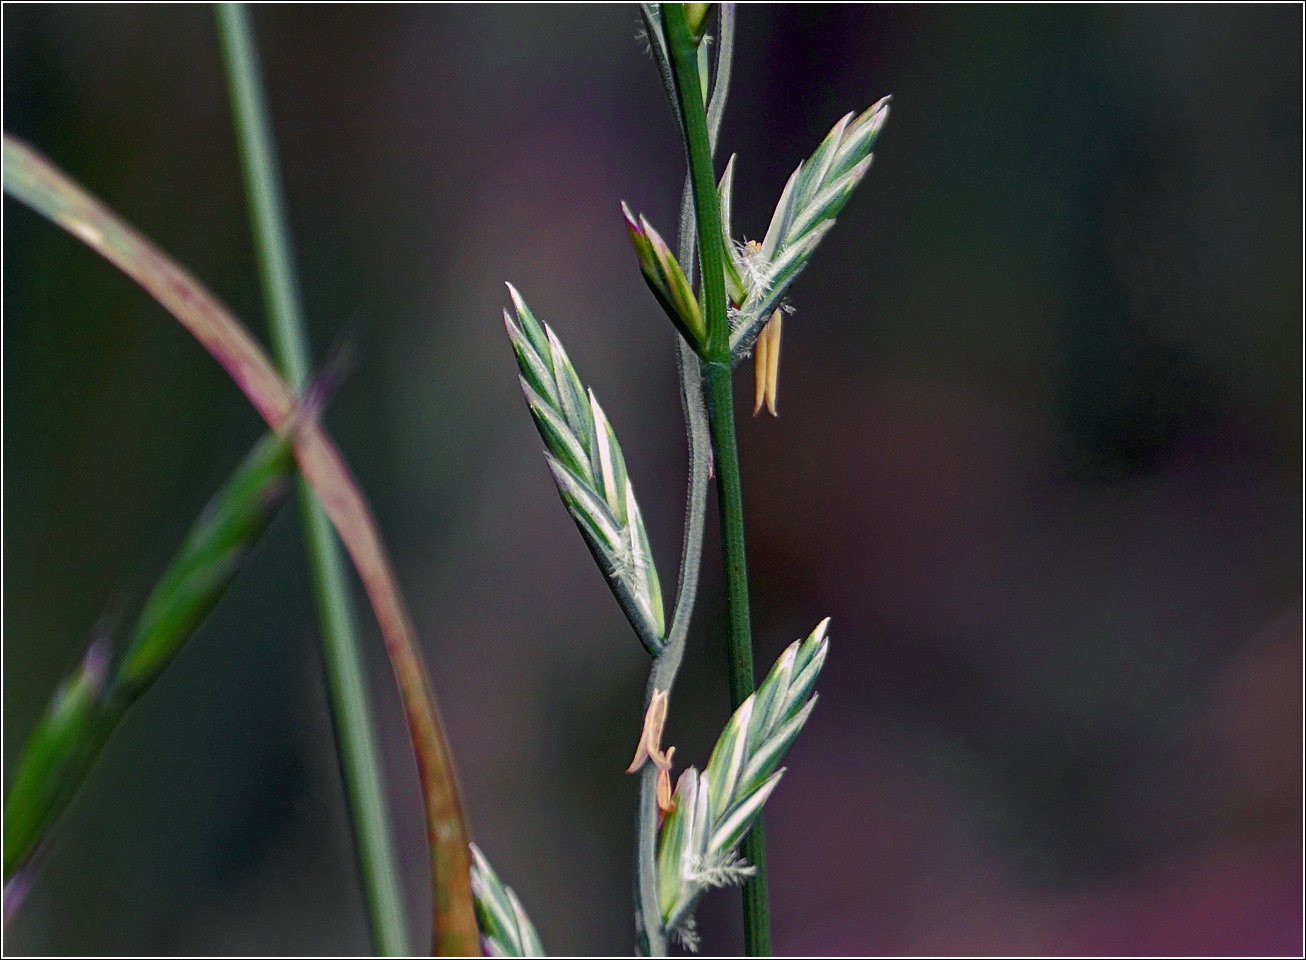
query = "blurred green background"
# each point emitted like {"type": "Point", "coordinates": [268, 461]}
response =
{"type": "Point", "coordinates": [1038, 455]}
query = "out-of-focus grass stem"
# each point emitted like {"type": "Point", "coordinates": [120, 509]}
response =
{"type": "Point", "coordinates": [359, 762]}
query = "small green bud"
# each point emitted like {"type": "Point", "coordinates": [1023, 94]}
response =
{"type": "Point", "coordinates": [664, 277]}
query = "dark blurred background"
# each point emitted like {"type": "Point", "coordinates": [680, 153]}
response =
{"type": "Point", "coordinates": [1038, 455]}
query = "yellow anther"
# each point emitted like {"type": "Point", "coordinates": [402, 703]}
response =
{"type": "Point", "coordinates": [766, 365]}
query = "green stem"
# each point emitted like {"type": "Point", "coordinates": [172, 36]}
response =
{"type": "Point", "coordinates": [359, 761]}
{"type": "Point", "coordinates": [716, 371]}
{"type": "Point", "coordinates": [662, 675]}
{"type": "Point", "coordinates": [684, 64]}
{"type": "Point", "coordinates": [730, 505]}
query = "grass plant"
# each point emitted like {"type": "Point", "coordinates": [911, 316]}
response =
{"type": "Point", "coordinates": [719, 294]}
{"type": "Point", "coordinates": [709, 832]}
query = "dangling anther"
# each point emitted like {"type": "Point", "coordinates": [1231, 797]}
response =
{"type": "Point", "coordinates": [766, 365]}
{"type": "Point", "coordinates": [650, 738]}
{"type": "Point", "coordinates": [663, 792]}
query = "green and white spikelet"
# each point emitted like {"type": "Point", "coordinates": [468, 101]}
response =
{"type": "Point", "coordinates": [587, 466]}
{"type": "Point", "coordinates": [757, 277]}
{"type": "Point", "coordinates": [506, 931]}
{"type": "Point", "coordinates": [699, 839]}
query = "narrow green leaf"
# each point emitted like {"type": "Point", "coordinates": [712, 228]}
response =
{"type": "Point", "coordinates": [86, 709]}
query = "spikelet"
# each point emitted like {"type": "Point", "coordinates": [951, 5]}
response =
{"type": "Point", "coordinates": [813, 197]}
{"type": "Point", "coordinates": [699, 839]}
{"type": "Point", "coordinates": [506, 931]}
{"type": "Point", "coordinates": [586, 462]}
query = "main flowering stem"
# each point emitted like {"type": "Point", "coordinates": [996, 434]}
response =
{"type": "Point", "coordinates": [716, 374]}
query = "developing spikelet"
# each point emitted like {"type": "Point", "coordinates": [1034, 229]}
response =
{"type": "Point", "coordinates": [698, 842]}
